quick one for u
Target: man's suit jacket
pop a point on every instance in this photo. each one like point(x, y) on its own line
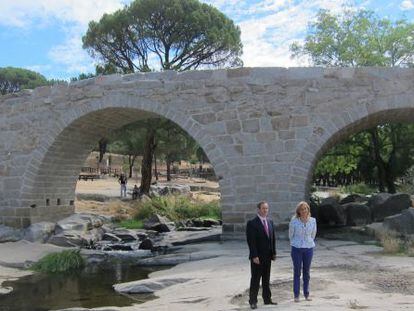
point(260, 245)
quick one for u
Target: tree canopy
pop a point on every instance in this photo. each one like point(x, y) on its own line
point(15, 79)
point(357, 38)
point(157, 34)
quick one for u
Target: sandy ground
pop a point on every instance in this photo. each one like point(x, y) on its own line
point(109, 186)
point(344, 276)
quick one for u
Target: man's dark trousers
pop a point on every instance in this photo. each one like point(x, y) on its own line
point(258, 272)
point(262, 246)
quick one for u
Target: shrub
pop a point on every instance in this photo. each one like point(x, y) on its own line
point(360, 188)
point(177, 208)
point(60, 262)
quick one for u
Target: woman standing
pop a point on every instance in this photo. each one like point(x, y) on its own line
point(302, 232)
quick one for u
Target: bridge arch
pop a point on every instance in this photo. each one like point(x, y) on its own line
point(329, 132)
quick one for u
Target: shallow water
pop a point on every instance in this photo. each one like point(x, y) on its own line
point(89, 288)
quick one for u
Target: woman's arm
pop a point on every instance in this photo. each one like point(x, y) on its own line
point(291, 230)
point(314, 229)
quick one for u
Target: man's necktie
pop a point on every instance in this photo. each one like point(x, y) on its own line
point(266, 227)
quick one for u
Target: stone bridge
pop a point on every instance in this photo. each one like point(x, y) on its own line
point(263, 130)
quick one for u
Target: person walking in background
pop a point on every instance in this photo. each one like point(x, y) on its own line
point(302, 233)
point(123, 182)
point(260, 236)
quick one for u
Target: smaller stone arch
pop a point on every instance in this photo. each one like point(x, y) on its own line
point(327, 134)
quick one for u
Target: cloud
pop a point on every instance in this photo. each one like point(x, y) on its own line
point(26, 13)
point(407, 5)
point(266, 39)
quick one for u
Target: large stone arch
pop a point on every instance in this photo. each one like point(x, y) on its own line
point(50, 194)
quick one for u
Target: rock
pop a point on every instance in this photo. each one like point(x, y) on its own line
point(198, 222)
point(118, 247)
point(173, 259)
point(66, 239)
point(164, 189)
point(75, 222)
point(111, 237)
point(125, 235)
point(147, 286)
point(8, 234)
point(158, 223)
point(39, 232)
point(146, 244)
point(314, 206)
point(357, 214)
point(353, 198)
point(331, 212)
point(192, 229)
point(402, 223)
point(384, 204)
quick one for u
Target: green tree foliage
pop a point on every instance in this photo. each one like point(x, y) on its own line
point(357, 38)
point(179, 34)
point(353, 39)
point(174, 144)
point(15, 79)
point(150, 35)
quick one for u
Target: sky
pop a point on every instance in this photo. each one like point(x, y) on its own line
point(46, 35)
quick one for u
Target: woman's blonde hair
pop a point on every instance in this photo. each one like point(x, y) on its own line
point(299, 206)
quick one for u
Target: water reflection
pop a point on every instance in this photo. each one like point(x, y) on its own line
point(89, 288)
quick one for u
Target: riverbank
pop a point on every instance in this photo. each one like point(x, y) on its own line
point(345, 275)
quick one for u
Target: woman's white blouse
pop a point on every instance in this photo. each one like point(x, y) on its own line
point(302, 235)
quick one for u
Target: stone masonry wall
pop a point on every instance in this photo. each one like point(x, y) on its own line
point(262, 128)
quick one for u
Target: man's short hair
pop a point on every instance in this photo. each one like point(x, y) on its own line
point(259, 205)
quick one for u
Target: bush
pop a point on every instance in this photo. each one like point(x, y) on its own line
point(359, 189)
point(60, 262)
point(177, 208)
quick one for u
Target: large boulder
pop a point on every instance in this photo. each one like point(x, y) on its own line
point(39, 232)
point(67, 239)
point(331, 212)
point(402, 223)
point(147, 286)
point(357, 214)
point(384, 204)
point(80, 222)
point(8, 234)
point(353, 198)
point(146, 244)
point(158, 223)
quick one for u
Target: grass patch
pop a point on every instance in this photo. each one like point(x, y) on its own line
point(131, 224)
point(60, 262)
point(177, 208)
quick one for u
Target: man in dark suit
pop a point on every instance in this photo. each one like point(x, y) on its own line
point(260, 236)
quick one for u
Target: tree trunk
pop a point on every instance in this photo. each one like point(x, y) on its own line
point(146, 169)
point(103, 142)
point(168, 167)
point(379, 163)
point(131, 161)
point(155, 166)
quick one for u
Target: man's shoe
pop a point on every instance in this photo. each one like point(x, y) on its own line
point(296, 299)
point(270, 303)
point(253, 306)
point(308, 298)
